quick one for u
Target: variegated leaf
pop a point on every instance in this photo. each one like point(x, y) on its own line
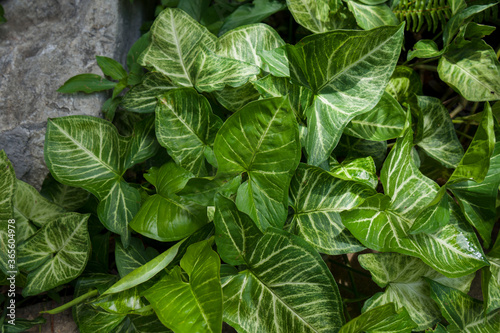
point(186, 126)
point(438, 139)
point(317, 199)
point(316, 15)
point(385, 121)
point(286, 285)
point(68, 197)
point(134, 256)
point(361, 170)
point(56, 254)
point(406, 286)
point(142, 144)
point(372, 16)
point(404, 83)
point(262, 140)
point(332, 65)
point(352, 148)
point(7, 191)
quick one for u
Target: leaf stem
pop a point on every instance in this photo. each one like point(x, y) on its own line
point(461, 105)
point(75, 301)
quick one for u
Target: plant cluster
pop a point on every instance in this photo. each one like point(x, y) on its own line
point(228, 164)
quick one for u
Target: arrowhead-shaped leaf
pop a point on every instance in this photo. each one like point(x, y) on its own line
point(262, 140)
point(56, 254)
point(317, 199)
point(286, 283)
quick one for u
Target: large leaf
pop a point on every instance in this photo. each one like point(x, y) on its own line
point(286, 284)
point(439, 139)
point(332, 65)
point(68, 197)
point(361, 170)
point(407, 287)
point(196, 305)
point(384, 318)
point(385, 121)
point(464, 313)
point(7, 190)
point(262, 140)
point(472, 69)
point(317, 199)
point(186, 126)
point(315, 15)
point(56, 254)
point(372, 16)
point(184, 50)
point(143, 97)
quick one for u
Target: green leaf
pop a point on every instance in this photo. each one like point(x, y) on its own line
point(261, 139)
point(424, 48)
point(472, 69)
point(168, 179)
point(142, 144)
point(145, 272)
point(135, 51)
point(404, 83)
point(141, 324)
point(184, 50)
point(203, 190)
point(196, 305)
point(474, 165)
point(434, 216)
point(478, 201)
point(87, 83)
point(195, 8)
point(286, 283)
point(186, 126)
point(133, 257)
point(405, 280)
point(68, 197)
point(126, 302)
point(315, 15)
point(275, 62)
point(331, 65)
point(385, 121)
point(8, 189)
point(459, 18)
point(353, 148)
point(361, 170)
point(143, 97)
point(99, 256)
point(234, 99)
point(111, 68)
point(317, 198)
point(22, 325)
point(383, 318)
point(464, 313)
point(56, 254)
point(245, 14)
point(438, 139)
point(372, 16)
point(473, 30)
point(490, 277)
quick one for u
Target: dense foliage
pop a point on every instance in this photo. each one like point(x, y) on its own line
point(232, 164)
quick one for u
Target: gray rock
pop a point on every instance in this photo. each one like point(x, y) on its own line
point(44, 43)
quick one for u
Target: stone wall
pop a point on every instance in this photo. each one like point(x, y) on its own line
point(44, 43)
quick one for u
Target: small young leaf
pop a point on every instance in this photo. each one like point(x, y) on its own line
point(111, 68)
point(87, 83)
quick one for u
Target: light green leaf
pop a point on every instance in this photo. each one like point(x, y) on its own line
point(317, 199)
point(68, 197)
point(143, 97)
point(404, 83)
point(133, 257)
point(407, 287)
point(275, 62)
point(478, 200)
point(453, 250)
point(184, 50)
point(145, 272)
point(434, 216)
point(87, 83)
point(111, 68)
point(196, 305)
point(286, 283)
point(361, 170)
point(459, 18)
point(385, 121)
point(256, 12)
point(439, 139)
point(474, 165)
point(56, 254)
point(490, 284)
point(383, 318)
point(186, 126)
point(425, 48)
point(372, 16)
point(168, 179)
point(472, 69)
point(464, 313)
point(298, 96)
point(7, 190)
point(126, 302)
point(331, 65)
point(262, 140)
point(315, 15)
point(234, 99)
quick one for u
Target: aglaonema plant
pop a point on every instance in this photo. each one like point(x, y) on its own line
point(236, 163)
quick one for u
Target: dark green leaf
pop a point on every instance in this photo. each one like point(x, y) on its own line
point(88, 83)
point(111, 68)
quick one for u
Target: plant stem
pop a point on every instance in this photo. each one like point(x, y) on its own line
point(75, 301)
point(461, 105)
point(465, 135)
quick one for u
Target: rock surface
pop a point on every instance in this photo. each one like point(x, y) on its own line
point(44, 43)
